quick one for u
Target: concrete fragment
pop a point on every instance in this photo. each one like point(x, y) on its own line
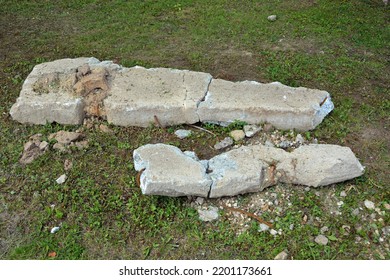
point(226, 142)
point(208, 215)
point(182, 133)
point(369, 204)
point(235, 172)
point(165, 170)
point(272, 17)
point(282, 255)
point(321, 239)
point(320, 165)
point(251, 129)
point(237, 135)
point(282, 106)
point(140, 95)
point(65, 137)
point(61, 179)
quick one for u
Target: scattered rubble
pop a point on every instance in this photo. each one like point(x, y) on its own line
point(34, 148)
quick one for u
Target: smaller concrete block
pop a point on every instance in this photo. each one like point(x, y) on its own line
point(168, 171)
point(235, 172)
point(320, 165)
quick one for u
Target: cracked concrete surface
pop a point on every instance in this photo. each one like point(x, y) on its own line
point(166, 170)
point(67, 90)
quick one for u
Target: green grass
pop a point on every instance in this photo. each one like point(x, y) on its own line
point(338, 46)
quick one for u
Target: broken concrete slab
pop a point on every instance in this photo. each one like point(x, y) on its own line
point(57, 92)
point(140, 95)
point(166, 170)
point(320, 165)
point(282, 106)
point(67, 90)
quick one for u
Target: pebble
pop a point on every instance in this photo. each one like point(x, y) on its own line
point(340, 203)
point(251, 129)
point(61, 179)
point(43, 146)
point(387, 206)
point(237, 135)
point(324, 229)
point(263, 227)
point(369, 204)
point(284, 144)
point(273, 232)
point(272, 17)
point(182, 133)
point(321, 239)
point(208, 215)
point(54, 229)
point(227, 142)
point(199, 200)
point(343, 194)
point(291, 227)
point(307, 189)
point(282, 255)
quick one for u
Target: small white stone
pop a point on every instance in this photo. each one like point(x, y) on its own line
point(263, 227)
point(355, 212)
point(273, 232)
point(61, 179)
point(291, 227)
point(340, 203)
point(54, 229)
point(369, 204)
point(272, 17)
point(182, 133)
point(343, 194)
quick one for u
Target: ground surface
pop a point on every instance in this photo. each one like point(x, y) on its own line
point(338, 46)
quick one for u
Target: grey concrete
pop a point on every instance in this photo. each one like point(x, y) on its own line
point(140, 95)
point(235, 172)
point(320, 165)
point(66, 91)
point(282, 106)
point(168, 171)
point(48, 95)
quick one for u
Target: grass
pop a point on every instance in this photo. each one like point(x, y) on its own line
point(338, 46)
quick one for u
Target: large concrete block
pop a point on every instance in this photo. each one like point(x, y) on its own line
point(320, 165)
point(140, 95)
point(170, 172)
point(282, 106)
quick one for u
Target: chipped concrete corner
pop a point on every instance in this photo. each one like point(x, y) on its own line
point(67, 90)
point(166, 170)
